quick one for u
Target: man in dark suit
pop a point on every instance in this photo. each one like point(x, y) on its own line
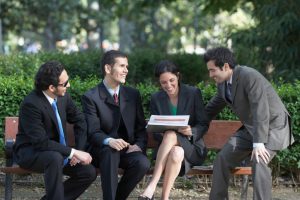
point(116, 128)
point(266, 122)
point(41, 143)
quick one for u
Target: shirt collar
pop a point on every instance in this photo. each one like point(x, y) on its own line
point(110, 90)
point(50, 99)
point(230, 80)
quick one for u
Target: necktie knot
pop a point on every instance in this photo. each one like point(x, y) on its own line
point(116, 98)
point(54, 106)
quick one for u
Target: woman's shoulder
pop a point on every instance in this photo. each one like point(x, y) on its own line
point(189, 88)
point(158, 94)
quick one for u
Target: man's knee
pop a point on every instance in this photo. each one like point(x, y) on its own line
point(143, 163)
point(54, 159)
point(90, 172)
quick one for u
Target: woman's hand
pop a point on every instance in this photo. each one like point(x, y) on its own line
point(187, 131)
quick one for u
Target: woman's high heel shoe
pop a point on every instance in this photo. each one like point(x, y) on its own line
point(145, 198)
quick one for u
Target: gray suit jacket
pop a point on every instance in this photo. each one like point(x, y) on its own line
point(258, 107)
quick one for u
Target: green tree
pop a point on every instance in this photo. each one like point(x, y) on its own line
point(273, 44)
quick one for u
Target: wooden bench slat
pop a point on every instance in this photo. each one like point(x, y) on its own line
point(208, 171)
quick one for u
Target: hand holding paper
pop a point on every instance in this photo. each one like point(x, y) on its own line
point(162, 123)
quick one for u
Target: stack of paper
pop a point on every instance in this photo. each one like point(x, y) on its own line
point(162, 123)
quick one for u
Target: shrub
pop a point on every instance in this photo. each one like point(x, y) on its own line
point(87, 64)
point(14, 88)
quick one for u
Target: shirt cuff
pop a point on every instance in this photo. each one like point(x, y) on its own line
point(105, 141)
point(258, 145)
point(71, 154)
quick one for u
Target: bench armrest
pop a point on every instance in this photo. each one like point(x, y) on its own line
point(9, 148)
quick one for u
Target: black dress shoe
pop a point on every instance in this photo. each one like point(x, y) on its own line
point(145, 198)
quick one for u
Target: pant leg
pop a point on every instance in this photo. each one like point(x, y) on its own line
point(80, 178)
point(51, 164)
point(135, 166)
point(262, 179)
point(234, 151)
point(108, 161)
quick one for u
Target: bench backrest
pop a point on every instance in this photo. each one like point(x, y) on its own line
point(217, 135)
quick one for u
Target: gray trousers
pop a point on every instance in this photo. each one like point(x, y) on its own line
point(237, 149)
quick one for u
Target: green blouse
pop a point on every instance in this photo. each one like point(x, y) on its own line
point(172, 108)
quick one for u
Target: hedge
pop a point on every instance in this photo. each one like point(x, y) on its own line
point(14, 88)
point(87, 64)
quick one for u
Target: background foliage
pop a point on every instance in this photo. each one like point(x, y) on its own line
point(87, 64)
point(263, 34)
point(14, 88)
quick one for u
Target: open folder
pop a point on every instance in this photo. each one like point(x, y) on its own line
point(162, 123)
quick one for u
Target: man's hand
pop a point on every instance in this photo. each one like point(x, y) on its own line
point(117, 144)
point(81, 156)
point(74, 161)
point(187, 131)
point(262, 152)
point(133, 148)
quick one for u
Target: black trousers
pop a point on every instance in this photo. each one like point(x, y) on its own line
point(135, 166)
point(51, 164)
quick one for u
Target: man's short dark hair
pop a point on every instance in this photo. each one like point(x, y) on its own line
point(109, 58)
point(220, 56)
point(48, 74)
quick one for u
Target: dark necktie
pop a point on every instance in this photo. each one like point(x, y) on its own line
point(228, 92)
point(61, 130)
point(116, 99)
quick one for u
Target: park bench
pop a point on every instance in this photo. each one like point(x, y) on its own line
point(217, 135)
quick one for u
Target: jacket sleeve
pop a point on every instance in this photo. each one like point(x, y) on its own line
point(215, 105)
point(31, 120)
point(259, 106)
point(141, 136)
point(95, 134)
point(201, 124)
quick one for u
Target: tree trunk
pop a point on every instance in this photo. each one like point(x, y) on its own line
point(1, 38)
point(126, 29)
point(49, 36)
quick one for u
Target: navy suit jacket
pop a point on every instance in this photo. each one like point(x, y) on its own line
point(103, 115)
point(38, 128)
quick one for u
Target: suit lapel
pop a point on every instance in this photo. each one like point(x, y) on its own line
point(182, 100)
point(124, 99)
point(105, 96)
point(48, 109)
point(164, 99)
point(235, 82)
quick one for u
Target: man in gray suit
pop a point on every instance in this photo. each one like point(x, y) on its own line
point(266, 122)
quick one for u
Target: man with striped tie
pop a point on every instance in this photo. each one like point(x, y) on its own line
point(41, 144)
point(116, 128)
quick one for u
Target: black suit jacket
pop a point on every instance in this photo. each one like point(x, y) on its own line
point(38, 128)
point(103, 115)
point(189, 103)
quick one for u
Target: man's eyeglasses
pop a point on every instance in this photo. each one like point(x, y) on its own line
point(64, 84)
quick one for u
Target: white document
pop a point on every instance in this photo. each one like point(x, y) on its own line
point(162, 123)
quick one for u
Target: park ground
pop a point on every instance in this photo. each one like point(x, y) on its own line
point(31, 188)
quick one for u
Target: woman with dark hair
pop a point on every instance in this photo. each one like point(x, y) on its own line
point(185, 144)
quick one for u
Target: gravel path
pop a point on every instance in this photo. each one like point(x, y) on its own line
point(31, 187)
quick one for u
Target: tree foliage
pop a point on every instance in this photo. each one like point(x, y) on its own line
point(273, 44)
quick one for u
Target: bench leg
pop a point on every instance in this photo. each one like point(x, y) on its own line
point(8, 186)
point(8, 180)
point(244, 188)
